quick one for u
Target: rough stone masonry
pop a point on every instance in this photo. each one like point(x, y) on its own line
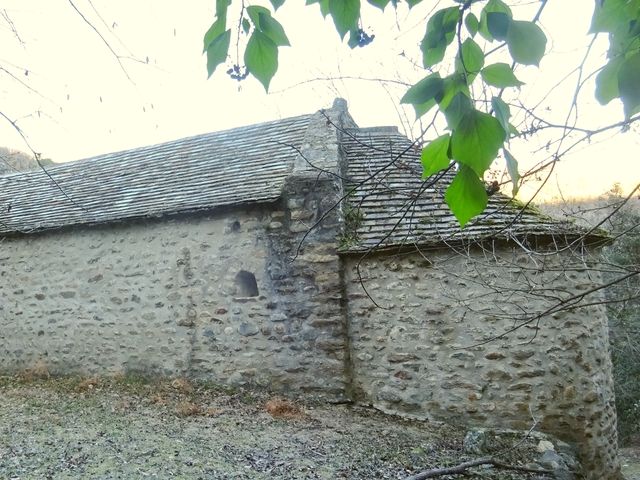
point(247, 257)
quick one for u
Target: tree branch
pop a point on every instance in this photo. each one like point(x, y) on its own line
point(464, 466)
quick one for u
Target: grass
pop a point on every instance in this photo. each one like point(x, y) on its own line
point(182, 396)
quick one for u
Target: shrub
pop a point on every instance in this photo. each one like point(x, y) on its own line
point(624, 322)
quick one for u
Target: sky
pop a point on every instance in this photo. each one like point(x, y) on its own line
point(74, 96)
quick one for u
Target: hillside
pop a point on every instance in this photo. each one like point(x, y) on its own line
point(12, 161)
point(593, 211)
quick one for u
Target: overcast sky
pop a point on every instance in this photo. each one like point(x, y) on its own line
point(73, 98)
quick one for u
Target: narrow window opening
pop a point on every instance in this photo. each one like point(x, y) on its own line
point(246, 284)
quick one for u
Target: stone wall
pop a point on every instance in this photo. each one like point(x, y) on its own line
point(427, 350)
point(177, 297)
point(164, 297)
point(215, 296)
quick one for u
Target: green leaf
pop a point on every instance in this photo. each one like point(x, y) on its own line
point(500, 75)
point(216, 29)
point(497, 6)
point(261, 58)
point(441, 30)
point(221, 8)
point(354, 39)
point(622, 45)
point(246, 26)
point(254, 12)
point(610, 15)
point(629, 84)
point(217, 51)
point(476, 140)
point(456, 109)
point(512, 168)
point(413, 3)
point(433, 56)
point(502, 112)
point(435, 156)
point(422, 108)
point(263, 21)
point(277, 4)
point(441, 27)
point(498, 24)
point(472, 23)
point(425, 90)
point(466, 196)
point(324, 6)
point(272, 29)
point(492, 6)
point(453, 84)
point(345, 15)
point(455, 100)
point(527, 42)
point(381, 4)
point(471, 59)
point(607, 81)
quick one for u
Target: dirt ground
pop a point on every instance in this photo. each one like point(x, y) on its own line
point(630, 460)
point(130, 429)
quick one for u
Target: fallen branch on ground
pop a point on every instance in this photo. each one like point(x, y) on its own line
point(463, 467)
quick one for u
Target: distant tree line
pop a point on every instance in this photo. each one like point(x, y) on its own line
point(12, 161)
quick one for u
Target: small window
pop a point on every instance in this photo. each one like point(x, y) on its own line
point(246, 284)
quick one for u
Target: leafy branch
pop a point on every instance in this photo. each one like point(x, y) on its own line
point(476, 29)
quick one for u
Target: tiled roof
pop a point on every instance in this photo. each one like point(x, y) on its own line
point(396, 208)
point(250, 165)
point(238, 166)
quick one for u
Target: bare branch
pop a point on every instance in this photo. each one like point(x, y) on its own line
point(107, 44)
point(14, 30)
point(464, 466)
point(36, 156)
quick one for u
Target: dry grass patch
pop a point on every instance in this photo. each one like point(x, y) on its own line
point(158, 399)
point(212, 412)
point(282, 408)
point(87, 384)
point(182, 385)
point(188, 409)
point(39, 371)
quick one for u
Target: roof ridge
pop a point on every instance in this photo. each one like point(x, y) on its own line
point(383, 129)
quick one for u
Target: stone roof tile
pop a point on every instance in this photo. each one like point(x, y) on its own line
point(392, 206)
point(233, 167)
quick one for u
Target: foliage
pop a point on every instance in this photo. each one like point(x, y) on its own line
point(624, 318)
point(479, 131)
point(352, 221)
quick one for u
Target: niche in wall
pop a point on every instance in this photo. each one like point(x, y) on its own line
point(246, 285)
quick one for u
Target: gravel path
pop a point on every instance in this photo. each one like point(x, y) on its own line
point(70, 429)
